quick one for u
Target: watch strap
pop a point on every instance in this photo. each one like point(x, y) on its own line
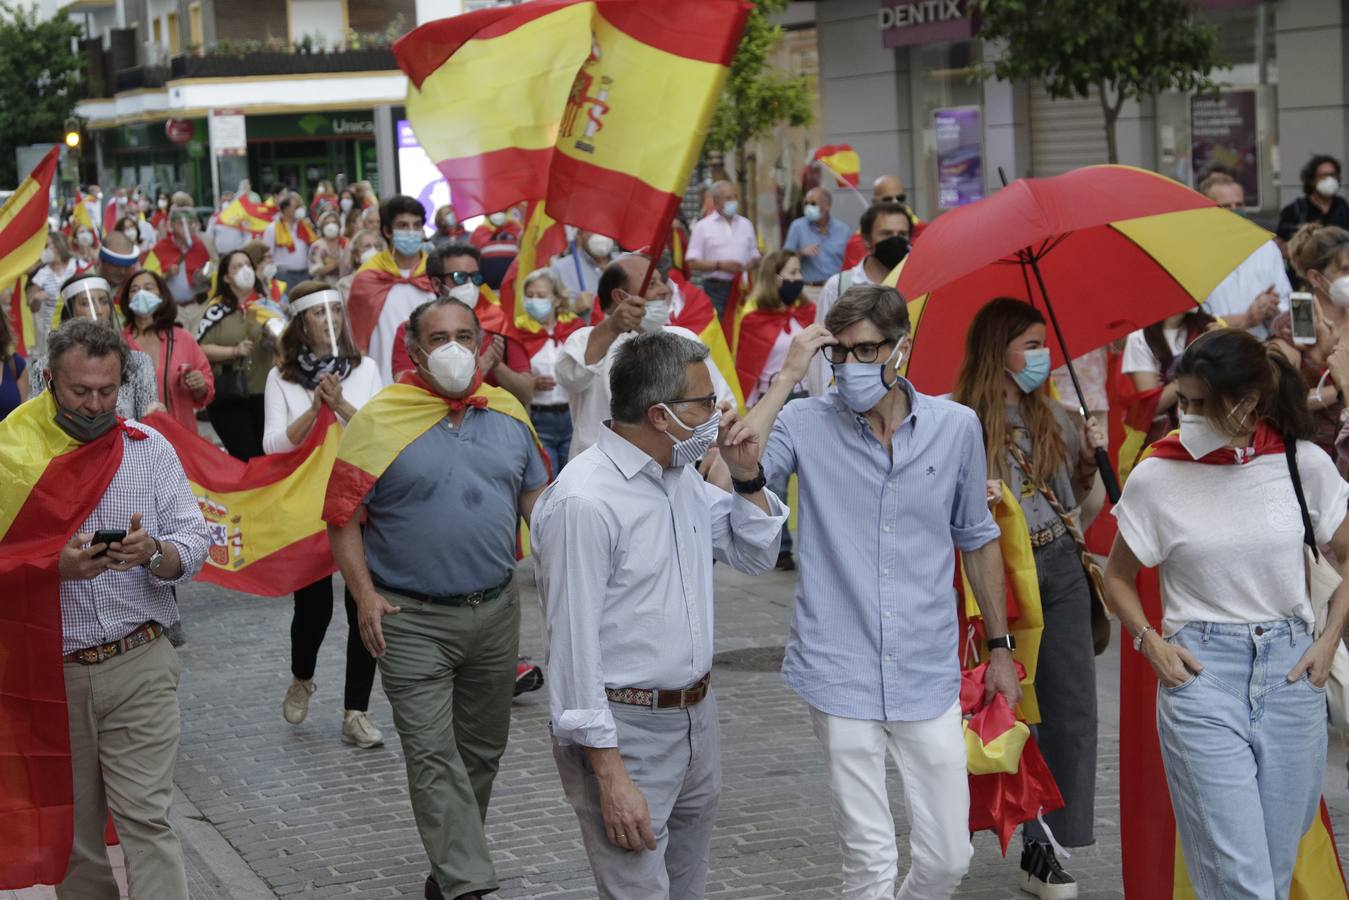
point(1006, 642)
point(753, 486)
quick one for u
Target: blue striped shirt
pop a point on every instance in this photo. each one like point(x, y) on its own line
point(874, 633)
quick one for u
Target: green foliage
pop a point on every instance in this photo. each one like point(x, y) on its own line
point(756, 98)
point(41, 78)
point(1125, 49)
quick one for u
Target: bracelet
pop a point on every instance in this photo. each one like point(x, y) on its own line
point(753, 486)
point(1138, 638)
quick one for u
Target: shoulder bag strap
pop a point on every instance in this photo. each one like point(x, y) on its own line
point(1308, 533)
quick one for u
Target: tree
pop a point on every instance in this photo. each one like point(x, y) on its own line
point(1125, 49)
point(41, 78)
point(756, 98)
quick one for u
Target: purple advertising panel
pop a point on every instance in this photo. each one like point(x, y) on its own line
point(960, 156)
point(1223, 132)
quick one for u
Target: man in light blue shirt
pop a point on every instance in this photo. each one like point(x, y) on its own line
point(819, 238)
point(892, 483)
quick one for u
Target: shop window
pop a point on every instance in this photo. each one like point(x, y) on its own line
point(940, 78)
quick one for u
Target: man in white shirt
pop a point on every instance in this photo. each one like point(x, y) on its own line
point(579, 270)
point(588, 354)
point(289, 237)
point(1256, 291)
point(722, 245)
point(623, 547)
point(885, 229)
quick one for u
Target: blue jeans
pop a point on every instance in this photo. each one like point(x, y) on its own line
point(1245, 756)
point(553, 427)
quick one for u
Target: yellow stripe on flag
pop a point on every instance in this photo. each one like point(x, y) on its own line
point(1169, 239)
point(29, 441)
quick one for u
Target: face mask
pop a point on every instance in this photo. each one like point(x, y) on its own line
point(891, 251)
point(730, 208)
point(466, 293)
point(48, 256)
point(131, 234)
point(345, 203)
point(1198, 436)
point(367, 254)
point(539, 308)
point(331, 230)
point(269, 271)
point(301, 214)
point(655, 316)
point(452, 365)
point(812, 212)
point(245, 278)
point(145, 303)
point(695, 446)
point(1339, 292)
point(163, 204)
point(1328, 186)
point(497, 219)
point(407, 241)
point(788, 291)
point(82, 426)
point(600, 246)
point(862, 385)
point(85, 239)
point(1036, 371)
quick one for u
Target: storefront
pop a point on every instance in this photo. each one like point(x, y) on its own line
point(301, 150)
point(159, 156)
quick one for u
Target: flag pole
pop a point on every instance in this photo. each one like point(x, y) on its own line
point(843, 181)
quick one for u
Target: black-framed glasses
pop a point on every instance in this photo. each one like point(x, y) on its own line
point(458, 278)
point(709, 402)
point(896, 198)
point(866, 352)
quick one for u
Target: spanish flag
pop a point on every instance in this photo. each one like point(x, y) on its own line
point(700, 316)
point(23, 221)
point(599, 106)
point(370, 288)
point(755, 333)
point(267, 535)
point(49, 485)
point(284, 237)
point(79, 216)
point(394, 418)
point(542, 238)
point(842, 161)
point(247, 216)
point(167, 254)
point(21, 317)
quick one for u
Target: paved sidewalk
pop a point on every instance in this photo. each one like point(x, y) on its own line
point(273, 810)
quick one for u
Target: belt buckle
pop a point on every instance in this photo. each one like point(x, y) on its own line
point(684, 698)
point(473, 599)
point(655, 699)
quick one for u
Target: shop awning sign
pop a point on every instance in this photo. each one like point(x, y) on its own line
point(229, 136)
point(906, 22)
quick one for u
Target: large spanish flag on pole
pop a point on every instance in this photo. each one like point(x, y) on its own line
point(49, 484)
point(264, 515)
point(599, 106)
point(23, 221)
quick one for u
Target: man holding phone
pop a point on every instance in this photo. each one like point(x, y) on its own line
point(144, 536)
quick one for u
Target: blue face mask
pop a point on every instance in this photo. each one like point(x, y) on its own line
point(145, 303)
point(539, 308)
point(862, 385)
point(730, 208)
point(1036, 371)
point(407, 241)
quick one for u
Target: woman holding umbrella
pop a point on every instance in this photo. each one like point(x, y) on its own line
point(1046, 457)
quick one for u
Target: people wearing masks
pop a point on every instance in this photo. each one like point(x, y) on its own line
point(181, 256)
point(540, 329)
point(449, 230)
point(820, 240)
point(183, 379)
point(1257, 290)
point(57, 265)
point(722, 245)
point(885, 189)
point(578, 270)
point(361, 248)
point(288, 239)
point(328, 257)
point(1150, 357)
point(1320, 202)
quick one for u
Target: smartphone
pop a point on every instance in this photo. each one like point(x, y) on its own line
point(1302, 308)
point(107, 538)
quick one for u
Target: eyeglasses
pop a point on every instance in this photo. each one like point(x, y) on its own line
point(867, 352)
point(459, 278)
point(708, 403)
point(897, 198)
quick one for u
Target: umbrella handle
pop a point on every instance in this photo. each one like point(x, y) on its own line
point(1108, 477)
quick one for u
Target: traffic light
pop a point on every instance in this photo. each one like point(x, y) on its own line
point(72, 134)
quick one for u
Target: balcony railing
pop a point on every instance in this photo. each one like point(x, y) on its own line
point(244, 62)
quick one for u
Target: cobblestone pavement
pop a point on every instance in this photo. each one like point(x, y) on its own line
point(315, 818)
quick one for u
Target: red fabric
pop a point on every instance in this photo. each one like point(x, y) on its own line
point(170, 254)
point(36, 795)
point(369, 290)
point(16, 305)
point(1266, 441)
point(487, 234)
point(110, 216)
point(697, 312)
point(455, 404)
point(969, 255)
point(516, 359)
point(854, 252)
point(759, 330)
point(169, 371)
point(531, 342)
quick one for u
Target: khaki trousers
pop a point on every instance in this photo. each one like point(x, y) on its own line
point(124, 731)
point(449, 674)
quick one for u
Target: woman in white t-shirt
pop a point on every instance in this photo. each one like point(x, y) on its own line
point(1149, 358)
point(1241, 707)
point(318, 366)
point(541, 328)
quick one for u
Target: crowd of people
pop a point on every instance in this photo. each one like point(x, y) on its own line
point(590, 413)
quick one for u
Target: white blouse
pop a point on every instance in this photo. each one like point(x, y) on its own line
point(285, 401)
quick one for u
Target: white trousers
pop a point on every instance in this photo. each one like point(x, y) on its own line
point(930, 756)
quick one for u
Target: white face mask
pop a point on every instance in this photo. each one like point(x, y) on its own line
point(244, 279)
point(131, 234)
point(85, 239)
point(497, 219)
point(1339, 292)
point(695, 446)
point(1200, 438)
point(345, 203)
point(48, 256)
point(368, 254)
point(600, 246)
point(452, 365)
point(1328, 186)
point(331, 230)
point(466, 293)
point(269, 271)
point(654, 317)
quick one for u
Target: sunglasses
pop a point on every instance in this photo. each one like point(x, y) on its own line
point(897, 198)
point(458, 278)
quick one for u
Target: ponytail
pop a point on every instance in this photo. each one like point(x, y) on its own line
point(1285, 407)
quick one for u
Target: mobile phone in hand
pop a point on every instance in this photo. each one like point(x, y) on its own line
point(1302, 309)
point(107, 538)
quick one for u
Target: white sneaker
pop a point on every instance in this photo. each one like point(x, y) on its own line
point(359, 730)
point(296, 705)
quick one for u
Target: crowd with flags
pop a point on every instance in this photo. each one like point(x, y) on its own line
point(928, 420)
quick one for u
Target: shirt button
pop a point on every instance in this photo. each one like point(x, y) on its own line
point(889, 658)
point(889, 615)
point(885, 572)
point(889, 528)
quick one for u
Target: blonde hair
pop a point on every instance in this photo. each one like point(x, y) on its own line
point(765, 293)
point(560, 292)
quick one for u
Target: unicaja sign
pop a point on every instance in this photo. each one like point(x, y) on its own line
point(923, 21)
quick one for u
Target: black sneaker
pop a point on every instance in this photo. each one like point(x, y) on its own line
point(432, 891)
point(1043, 875)
point(785, 562)
point(528, 677)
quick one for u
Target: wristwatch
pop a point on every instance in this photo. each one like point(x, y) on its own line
point(1006, 642)
point(753, 486)
point(1138, 638)
point(157, 558)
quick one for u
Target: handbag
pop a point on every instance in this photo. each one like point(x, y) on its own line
point(231, 383)
point(1100, 615)
point(1322, 580)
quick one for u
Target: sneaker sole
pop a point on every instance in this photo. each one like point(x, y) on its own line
point(364, 745)
point(286, 715)
point(1037, 888)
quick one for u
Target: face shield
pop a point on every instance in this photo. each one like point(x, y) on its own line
point(88, 298)
point(325, 306)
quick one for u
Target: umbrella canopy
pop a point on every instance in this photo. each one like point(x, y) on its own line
point(1118, 249)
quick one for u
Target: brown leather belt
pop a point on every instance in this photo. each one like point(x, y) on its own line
point(1047, 536)
point(92, 656)
point(662, 699)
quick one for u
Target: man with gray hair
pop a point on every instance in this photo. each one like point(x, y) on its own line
point(141, 536)
point(722, 245)
point(872, 647)
point(623, 546)
point(443, 467)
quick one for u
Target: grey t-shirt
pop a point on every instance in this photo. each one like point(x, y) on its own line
point(1039, 514)
point(443, 518)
